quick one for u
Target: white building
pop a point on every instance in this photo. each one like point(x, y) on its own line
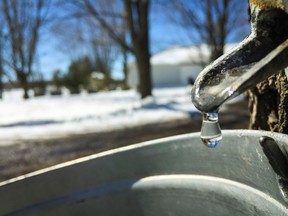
point(175, 66)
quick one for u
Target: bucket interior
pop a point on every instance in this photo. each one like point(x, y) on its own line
point(170, 176)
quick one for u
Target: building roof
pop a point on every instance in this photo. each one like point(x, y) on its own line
point(179, 55)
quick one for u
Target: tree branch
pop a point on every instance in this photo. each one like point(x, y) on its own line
point(111, 31)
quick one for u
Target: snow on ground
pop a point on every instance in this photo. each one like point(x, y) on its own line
point(53, 116)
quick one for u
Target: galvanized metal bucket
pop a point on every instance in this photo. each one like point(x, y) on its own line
point(171, 176)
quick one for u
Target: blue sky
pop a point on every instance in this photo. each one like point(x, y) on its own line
point(52, 57)
point(163, 34)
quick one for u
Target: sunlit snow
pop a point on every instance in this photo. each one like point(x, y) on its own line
point(52, 116)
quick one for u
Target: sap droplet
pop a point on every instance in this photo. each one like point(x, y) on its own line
point(211, 134)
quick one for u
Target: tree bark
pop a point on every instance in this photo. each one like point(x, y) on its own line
point(144, 72)
point(1, 72)
point(25, 89)
point(23, 81)
point(139, 31)
point(268, 104)
point(125, 68)
point(1, 85)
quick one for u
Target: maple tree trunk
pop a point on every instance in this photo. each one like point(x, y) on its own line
point(144, 71)
point(268, 104)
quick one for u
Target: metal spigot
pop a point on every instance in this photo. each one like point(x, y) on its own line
point(256, 58)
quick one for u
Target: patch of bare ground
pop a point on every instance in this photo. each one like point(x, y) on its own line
point(29, 155)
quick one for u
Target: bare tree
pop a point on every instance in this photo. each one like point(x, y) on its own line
point(211, 22)
point(103, 50)
point(125, 66)
point(2, 43)
point(104, 55)
point(86, 39)
point(136, 17)
point(24, 20)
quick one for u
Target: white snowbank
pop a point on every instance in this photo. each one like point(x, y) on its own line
point(54, 116)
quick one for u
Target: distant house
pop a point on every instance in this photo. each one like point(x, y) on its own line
point(175, 66)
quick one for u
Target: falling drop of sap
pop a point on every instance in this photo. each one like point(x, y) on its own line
point(210, 132)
